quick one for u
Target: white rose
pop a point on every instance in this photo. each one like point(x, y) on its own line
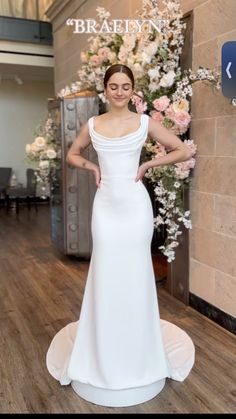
point(129, 41)
point(44, 164)
point(40, 142)
point(153, 87)
point(28, 148)
point(146, 57)
point(137, 69)
point(168, 79)
point(34, 148)
point(154, 73)
point(51, 154)
point(152, 48)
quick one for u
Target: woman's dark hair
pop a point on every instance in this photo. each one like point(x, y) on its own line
point(118, 68)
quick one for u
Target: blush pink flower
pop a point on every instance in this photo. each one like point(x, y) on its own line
point(136, 100)
point(157, 116)
point(182, 169)
point(103, 53)
point(162, 103)
point(95, 60)
point(190, 144)
point(141, 107)
point(182, 118)
point(178, 130)
point(169, 113)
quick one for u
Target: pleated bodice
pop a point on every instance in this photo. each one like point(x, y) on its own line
point(119, 156)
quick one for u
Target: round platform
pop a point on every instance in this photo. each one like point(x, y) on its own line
point(118, 398)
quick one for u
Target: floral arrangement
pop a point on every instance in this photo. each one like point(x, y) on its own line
point(162, 90)
point(44, 153)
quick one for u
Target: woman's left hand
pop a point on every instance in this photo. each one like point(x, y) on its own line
point(141, 171)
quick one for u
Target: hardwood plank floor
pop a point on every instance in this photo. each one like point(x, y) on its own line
point(41, 291)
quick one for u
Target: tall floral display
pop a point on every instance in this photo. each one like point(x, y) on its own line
point(162, 90)
point(44, 153)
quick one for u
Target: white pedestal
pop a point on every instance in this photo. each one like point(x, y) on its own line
point(118, 398)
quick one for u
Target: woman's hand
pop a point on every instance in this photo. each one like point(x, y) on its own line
point(141, 171)
point(97, 175)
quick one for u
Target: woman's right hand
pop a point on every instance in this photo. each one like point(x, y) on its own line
point(97, 175)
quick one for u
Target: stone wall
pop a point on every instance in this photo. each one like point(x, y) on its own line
point(213, 128)
point(213, 194)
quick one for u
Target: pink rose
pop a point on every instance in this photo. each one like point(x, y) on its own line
point(182, 169)
point(161, 104)
point(95, 60)
point(182, 118)
point(169, 112)
point(141, 107)
point(136, 100)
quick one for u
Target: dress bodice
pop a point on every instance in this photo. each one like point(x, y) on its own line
point(119, 156)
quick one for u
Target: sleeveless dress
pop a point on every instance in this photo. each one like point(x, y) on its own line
point(120, 353)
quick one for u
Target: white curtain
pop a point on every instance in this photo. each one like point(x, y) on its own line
point(27, 9)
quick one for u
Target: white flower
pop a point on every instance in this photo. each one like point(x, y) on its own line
point(158, 220)
point(34, 148)
point(40, 142)
point(51, 154)
point(137, 69)
point(154, 73)
point(172, 195)
point(153, 87)
point(44, 164)
point(111, 56)
point(187, 223)
point(123, 54)
point(102, 13)
point(129, 41)
point(177, 184)
point(28, 148)
point(168, 79)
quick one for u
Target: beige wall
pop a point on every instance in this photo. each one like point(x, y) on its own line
point(213, 196)
point(21, 109)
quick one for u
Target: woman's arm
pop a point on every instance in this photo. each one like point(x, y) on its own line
point(74, 157)
point(178, 150)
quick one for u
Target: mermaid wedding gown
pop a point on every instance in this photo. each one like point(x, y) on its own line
point(120, 353)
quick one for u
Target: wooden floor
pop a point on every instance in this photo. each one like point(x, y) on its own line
point(41, 291)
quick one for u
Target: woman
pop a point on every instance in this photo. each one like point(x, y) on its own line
point(119, 121)
point(120, 352)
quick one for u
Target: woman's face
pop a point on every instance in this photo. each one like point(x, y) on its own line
point(119, 89)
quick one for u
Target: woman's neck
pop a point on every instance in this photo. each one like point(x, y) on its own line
point(119, 113)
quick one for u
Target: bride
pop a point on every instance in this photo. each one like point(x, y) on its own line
point(120, 352)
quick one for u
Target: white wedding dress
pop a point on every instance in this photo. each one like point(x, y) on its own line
point(120, 353)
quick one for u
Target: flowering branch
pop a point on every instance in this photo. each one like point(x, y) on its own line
point(162, 90)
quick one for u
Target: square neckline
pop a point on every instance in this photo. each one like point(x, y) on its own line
point(122, 136)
